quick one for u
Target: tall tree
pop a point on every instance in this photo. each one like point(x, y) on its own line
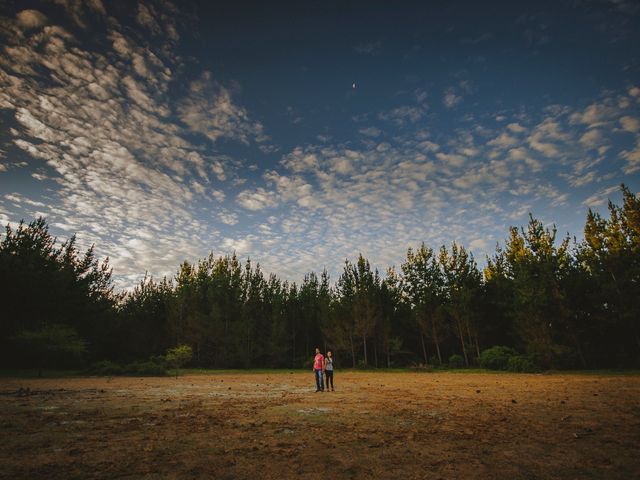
point(463, 283)
point(422, 284)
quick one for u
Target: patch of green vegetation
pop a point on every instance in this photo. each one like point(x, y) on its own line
point(36, 373)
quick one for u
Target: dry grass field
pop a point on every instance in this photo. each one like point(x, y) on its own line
point(273, 425)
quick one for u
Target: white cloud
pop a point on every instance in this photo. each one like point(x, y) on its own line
point(600, 197)
point(239, 245)
point(591, 138)
point(402, 116)
point(29, 19)
point(633, 159)
point(450, 99)
point(503, 140)
point(300, 160)
point(630, 124)
point(516, 127)
point(129, 185)
point(372, 132)
point(210, 110)
point(228, 218)
point(256, 200)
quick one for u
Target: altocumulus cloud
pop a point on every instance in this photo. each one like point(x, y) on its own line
point(99, 124)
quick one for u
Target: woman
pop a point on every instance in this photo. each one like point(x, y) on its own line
point(318, 368)
point(328, 370)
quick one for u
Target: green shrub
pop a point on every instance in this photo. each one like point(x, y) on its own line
point(179, 356)
point(456, 361)
point(104, 367)
point(496, 358)
point(521, 363)
point(146, 368)
point(433, 360)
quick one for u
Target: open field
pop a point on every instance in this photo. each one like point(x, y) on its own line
point(273, 425)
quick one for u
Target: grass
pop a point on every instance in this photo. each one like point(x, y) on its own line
point(35, 373)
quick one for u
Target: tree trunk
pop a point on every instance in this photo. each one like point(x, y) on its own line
point(364, 343)
point(306, 342)
point(424, 349)
point(353, 351)
point(464, 348)
point(388, 356)
point(436, 341)
point(248, 359)
point(225, 352)
point(574, 337)
point(293, 360)
point(470, 336)
point(375, 353)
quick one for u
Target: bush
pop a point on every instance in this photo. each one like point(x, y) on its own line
point(496, 358)
point(179, 356)
point(456, 361)
point(105, 367)
point(146, 368)
point(152, 367)
point(521, 363)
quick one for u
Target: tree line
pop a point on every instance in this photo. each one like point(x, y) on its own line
point(559, 302)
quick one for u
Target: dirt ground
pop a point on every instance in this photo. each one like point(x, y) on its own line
point(273, 425)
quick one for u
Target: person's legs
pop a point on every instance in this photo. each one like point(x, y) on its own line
point(327, 373)
point(330, 377)
point(319, 383)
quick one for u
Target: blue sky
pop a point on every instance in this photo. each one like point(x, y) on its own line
point(162, 132)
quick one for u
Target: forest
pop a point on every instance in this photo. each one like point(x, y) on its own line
point(549, 302)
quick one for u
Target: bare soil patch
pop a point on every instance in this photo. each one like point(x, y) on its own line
point(274, 425)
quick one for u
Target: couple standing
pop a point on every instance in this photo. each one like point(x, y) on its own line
point(322, 364)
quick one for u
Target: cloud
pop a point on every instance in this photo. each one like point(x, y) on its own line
point(256, 200)
point(153, 178)
point(29, 19)
point(159, 21)
point(403, 115)
point(596, 114)
point(450, 98)
point(76, 10)
point(516, 127)
point(237, 245)
point(600, 197)
point(591, 138)
point(372, 132)
point(630, 124)
point(504, 140)
point(210, 110)
point(127, 176)
point(632, 158)
point(228, 218)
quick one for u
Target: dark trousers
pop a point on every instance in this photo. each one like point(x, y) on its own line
point(318, 374)
point(328, 376)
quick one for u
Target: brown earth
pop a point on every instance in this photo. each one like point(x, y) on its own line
point(273, 425)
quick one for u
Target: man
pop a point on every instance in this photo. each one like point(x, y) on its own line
point(318, 370)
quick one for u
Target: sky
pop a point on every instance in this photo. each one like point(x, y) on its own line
point(299, 134)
